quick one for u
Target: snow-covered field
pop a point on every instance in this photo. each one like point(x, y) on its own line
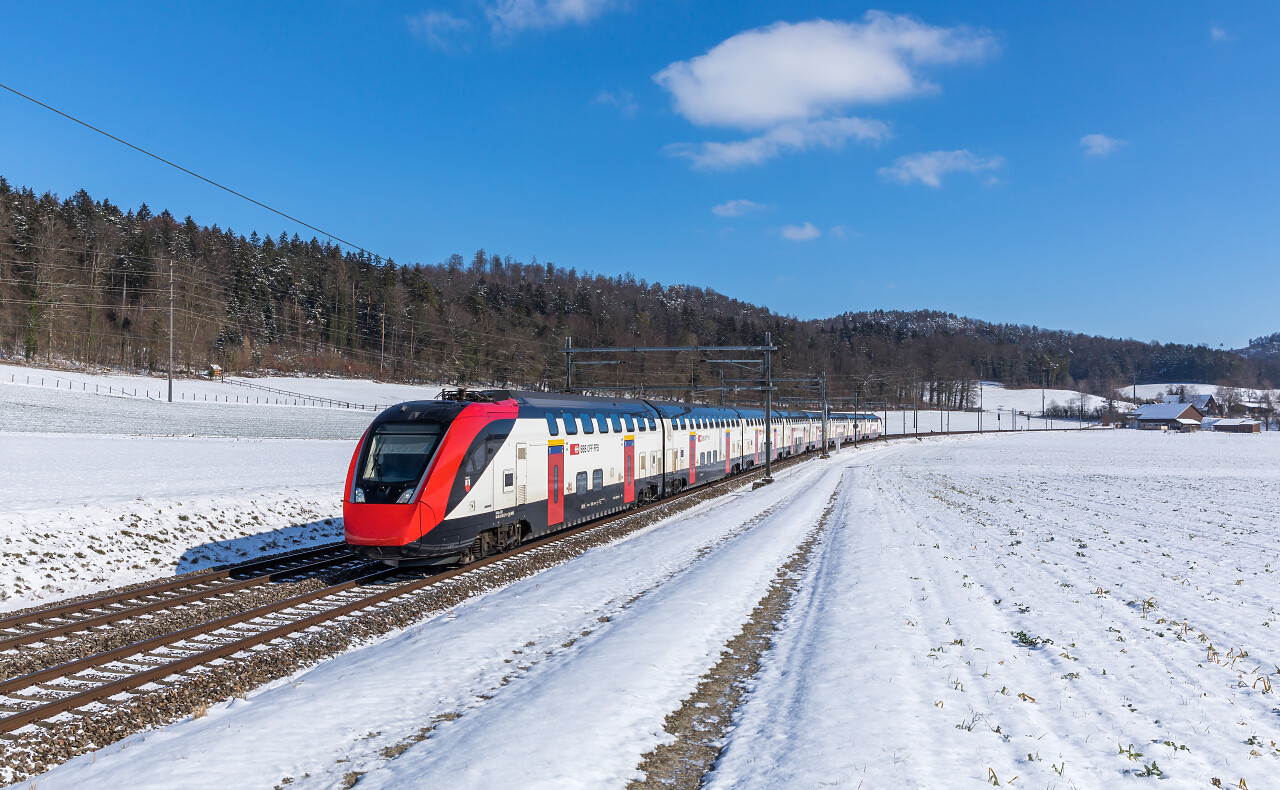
point(1154, 391)
point(201, 390)
point(85, 512)
point(104, 490)
point(1038, 610)
point(1003, 410)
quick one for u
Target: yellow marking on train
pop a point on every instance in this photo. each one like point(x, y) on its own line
point(555, 443)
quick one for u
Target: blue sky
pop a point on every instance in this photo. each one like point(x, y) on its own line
point(1108, 168)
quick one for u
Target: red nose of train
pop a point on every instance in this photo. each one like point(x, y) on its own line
point(386, 525)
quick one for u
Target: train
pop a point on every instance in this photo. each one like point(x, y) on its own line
point(478, 472)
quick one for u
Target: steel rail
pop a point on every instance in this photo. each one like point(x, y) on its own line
point(90, 623)
point(165, 586)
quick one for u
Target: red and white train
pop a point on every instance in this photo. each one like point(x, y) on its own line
point(457, 479)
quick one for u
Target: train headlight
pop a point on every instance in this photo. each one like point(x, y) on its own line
point(405, 497)
point(358, 496)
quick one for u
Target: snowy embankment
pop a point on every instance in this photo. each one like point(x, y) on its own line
point(83, 513)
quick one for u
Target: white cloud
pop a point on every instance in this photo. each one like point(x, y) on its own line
point(623, 101)
point(509, 16)
point(843, 232)
point(929, 168)
point(795, 72)
point(805, 232)
point(736, 208)
point(437, 28)
point(831, 133)
point(1100, 144)
point(1218, 35)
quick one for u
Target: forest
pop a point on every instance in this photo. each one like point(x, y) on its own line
point(84, 282)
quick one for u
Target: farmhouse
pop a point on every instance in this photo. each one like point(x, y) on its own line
point(1207, 404)
point(1232, 425)
point(1183, 417)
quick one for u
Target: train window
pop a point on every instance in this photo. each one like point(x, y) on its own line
point(629, 423)
point(597, 478)
point(640, 423)
point(617, 423)
point(602, 423)
point(581, 481)
point(641, 462)
point(555, 484)
point(508, 480)
point(552, 428)
point(570, 424)
point(586, 424)
point(481, 456)
point(653, 426)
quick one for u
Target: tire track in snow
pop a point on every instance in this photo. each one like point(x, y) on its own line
point(610, 693)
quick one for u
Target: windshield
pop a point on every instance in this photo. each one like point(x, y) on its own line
point(395, 459)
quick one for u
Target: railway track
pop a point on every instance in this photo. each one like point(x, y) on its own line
point(90, 684)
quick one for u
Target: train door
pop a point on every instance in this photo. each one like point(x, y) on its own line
point(629, 469)
point(555, 482)
point(757, 446)
point(693, 458)
point(728, 456)
point(522, 474)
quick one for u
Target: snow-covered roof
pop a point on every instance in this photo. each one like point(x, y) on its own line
point(1199, 401)
point(1185, 421)
point(1232, 421)
point(1162, 411)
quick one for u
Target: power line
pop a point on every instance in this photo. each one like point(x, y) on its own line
point(185, 170)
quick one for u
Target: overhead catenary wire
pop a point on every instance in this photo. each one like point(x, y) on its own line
point(192, 173)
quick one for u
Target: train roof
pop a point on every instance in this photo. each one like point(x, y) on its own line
point(553, 401)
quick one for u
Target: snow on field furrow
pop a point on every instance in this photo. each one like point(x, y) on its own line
point(986, 603)
point(1116, 708)
point(589, 654)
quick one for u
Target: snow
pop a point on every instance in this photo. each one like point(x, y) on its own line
point(1155, 391)
point(901, 666)
point(37, 409)
point(84, 512)
point(355, 391)
point(1003, 410)
point(585, 693)
point(104, 490)
point(1070, 609)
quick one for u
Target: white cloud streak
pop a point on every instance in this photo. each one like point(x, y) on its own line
point(1218, 35)
point(512, 16)
point(1100, 144)
point(795, 72)
point(831, 133)
point(929, 168)
point(736, 208)
point(805, 232)
point(622, 101)
point(438, 28)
